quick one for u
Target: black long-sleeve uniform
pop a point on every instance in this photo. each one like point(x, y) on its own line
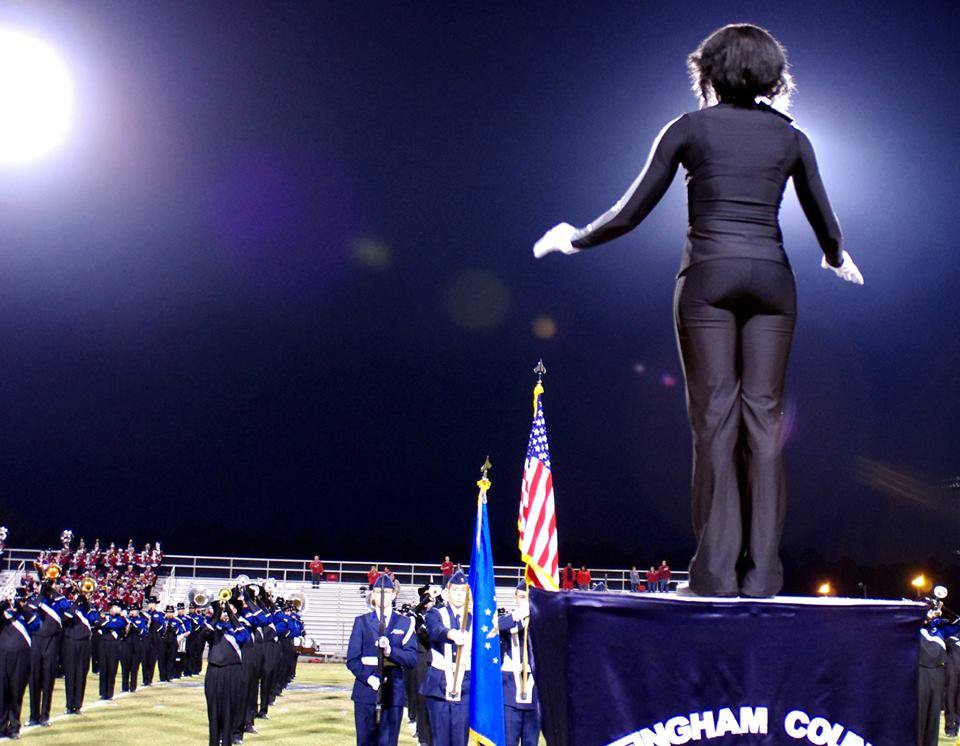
point(76, 651)
point(735, 310)
point(18, 623)
point(223, 683)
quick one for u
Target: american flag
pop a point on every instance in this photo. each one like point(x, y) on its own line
point(538, 520)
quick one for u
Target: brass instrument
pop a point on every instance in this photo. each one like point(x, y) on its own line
point(224, 595)
point(270, 587)
point(242, 580)
point(299, 601)
point(50, 571)
point(200, 597)
point(88, 585)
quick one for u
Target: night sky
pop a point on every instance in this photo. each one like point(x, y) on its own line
point(275, 294)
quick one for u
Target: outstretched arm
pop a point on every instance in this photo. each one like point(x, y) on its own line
point(627, 212)
point(813, 199)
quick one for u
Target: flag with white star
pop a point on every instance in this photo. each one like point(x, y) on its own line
point(486, 685)
point(538, 520)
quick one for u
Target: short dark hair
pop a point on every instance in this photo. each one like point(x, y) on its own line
point(739, 62)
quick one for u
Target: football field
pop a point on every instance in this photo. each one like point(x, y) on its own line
point(315, 709)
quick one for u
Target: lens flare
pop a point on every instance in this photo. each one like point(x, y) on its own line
point(544, 327)
point(36, 97)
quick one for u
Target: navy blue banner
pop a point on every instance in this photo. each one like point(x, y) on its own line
point(659, 670)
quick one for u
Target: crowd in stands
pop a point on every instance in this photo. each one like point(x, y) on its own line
point(122, 576)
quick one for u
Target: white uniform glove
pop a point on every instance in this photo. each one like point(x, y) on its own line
point(556, 239)
point(458, 637)
point(384, 643)
point(374, 682)
point(847, 271)
point(521, 612)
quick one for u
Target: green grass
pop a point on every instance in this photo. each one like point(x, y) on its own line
point(316, 709)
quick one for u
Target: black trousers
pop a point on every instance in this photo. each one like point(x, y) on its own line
point(151, 649)
point(951, 703)
point(167, 658)
point(76, 665)
point(734, 322)
point(930, 701)
point(252, 673)
point(44, 659)
point(109, 660)
point(14, 673)
point(223, 687)
point(271, 664)
point(131, 654)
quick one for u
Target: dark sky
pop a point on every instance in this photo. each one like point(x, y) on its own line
point(275, 293)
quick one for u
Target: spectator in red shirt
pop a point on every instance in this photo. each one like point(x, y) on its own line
point(583, 579)
point(372, 575)
point(316, 571)
point(446, 570)
point(663, 576)
point(653, 578)
point(568, 578)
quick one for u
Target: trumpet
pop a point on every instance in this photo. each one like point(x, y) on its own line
point(87, 586)
point(224, 595)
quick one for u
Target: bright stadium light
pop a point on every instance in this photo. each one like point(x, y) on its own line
point(36, 97)
point(825, 589)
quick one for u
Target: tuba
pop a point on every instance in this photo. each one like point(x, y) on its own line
point(299, 601)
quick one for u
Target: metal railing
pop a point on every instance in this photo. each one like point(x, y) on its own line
point(297, 570)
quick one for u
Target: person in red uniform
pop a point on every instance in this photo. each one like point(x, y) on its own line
point(569, 578)
point(446, 570)
point(372, 575)
point(583, 579)
point(316, 571)
point(663, 576)
point(653, 578)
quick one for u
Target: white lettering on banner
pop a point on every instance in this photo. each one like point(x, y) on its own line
point(698, 726)
point(820, 731)
point(703, 726)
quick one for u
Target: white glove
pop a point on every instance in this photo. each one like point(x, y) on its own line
point(521, 612)
point(458, 637)
point(384, 643)
point(556, 239)
point(847, 271)
point(374, 682)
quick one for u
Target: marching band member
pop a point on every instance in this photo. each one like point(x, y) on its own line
point(79, 620)
point(447, 684)
point(223, 685)
point(151, 643)
point(169, 632)
point(254, 620)
point(397, 644)
point(131, 648)
point(19, 621)
point(520, 715)
point(194, 653)
point(45, 650)
point(271, 657)
point(110, 628)
point(184, 629)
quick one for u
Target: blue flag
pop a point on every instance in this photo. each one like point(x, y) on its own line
point(486, 686)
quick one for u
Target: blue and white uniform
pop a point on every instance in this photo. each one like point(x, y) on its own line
point(446, 685)
point(520, 714)
point(363, 661)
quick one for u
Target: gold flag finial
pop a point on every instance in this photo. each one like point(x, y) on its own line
point(484, 482)
point(540, 370)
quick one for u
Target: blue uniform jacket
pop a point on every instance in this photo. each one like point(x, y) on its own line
point(443, 654)
point(511, 654)
point(362, 657)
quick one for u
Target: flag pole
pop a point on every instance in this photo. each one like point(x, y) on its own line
point(540, 370)
point(484, 484)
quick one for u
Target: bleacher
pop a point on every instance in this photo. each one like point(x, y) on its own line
point(331, 608)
